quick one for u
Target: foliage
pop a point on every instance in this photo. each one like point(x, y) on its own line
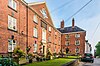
point(7, 62)
point(0, 56)
point(30, 56)
point(28, 48)
point(18, 52)
point(98, 49)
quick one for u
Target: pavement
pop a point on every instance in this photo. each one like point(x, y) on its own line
point(96, 63)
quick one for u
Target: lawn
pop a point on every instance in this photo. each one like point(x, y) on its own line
point(55, 62)
point(73, 57)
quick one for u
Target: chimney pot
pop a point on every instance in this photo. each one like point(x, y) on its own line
point(73, 23)
point(62, 24)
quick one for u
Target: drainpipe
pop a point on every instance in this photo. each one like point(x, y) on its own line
point(26, 28)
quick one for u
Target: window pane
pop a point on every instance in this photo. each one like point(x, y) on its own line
point(10, 3)
point(10, 22)
point(77, 42)
point(14, 24)
point(14, 5)
point(49, 28)
point(35, 32)
point(43, 35)
point(35, 18)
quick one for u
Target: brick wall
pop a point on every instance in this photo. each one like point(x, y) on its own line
point(20, 36)
point(72, 40)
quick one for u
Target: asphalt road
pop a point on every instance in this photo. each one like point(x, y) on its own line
point(96, 63)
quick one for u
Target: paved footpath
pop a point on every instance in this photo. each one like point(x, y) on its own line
point(96, 63)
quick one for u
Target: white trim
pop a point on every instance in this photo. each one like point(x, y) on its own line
point(35, 3)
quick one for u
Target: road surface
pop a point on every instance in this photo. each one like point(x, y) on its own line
point(96, 63)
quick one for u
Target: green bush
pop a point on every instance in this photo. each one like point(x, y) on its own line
point(18, 52)
point(7, 62)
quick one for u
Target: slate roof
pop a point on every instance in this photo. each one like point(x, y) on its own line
point(70, 29)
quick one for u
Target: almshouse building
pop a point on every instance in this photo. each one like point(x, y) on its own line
point(27, 25)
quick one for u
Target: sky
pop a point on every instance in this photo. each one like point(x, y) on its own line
point(88, 18)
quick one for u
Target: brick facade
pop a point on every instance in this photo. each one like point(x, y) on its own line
point(25, 27)
point(68, 39)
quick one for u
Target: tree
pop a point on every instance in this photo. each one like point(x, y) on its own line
point(98, 49)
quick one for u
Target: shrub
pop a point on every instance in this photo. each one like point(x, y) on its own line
point(19, 53)
point(7, 62)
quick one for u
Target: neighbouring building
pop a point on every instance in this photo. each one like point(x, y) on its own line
point(88, 47)
point(27, 25)
point(72, 38)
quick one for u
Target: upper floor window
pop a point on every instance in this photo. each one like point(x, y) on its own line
point(77, 42)
point(12, 4)
point(67, 36)
point(50, 29)
point(35, 32)
point(35, 18)
point(67, 43)
point(12, 23)
point(43, 35)
point(77, 35)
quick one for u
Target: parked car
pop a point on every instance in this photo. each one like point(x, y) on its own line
point(87, 57)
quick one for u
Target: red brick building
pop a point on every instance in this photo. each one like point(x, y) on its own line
point(72, 38)
point(27, 25)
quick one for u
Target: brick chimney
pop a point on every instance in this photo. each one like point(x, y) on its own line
point(73, 24)
point(62, 24)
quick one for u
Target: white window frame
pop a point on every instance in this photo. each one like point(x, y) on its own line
point(12, 23)
point(76, 42)
point(35, 32)
point(50, 29)
point(67, 43)
point(12, 4)
point(11, 45)
point(78, 50)
point(35, 18)
point(35, 48)
point(44, 35)
point(77, 35)
point(67, 36)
